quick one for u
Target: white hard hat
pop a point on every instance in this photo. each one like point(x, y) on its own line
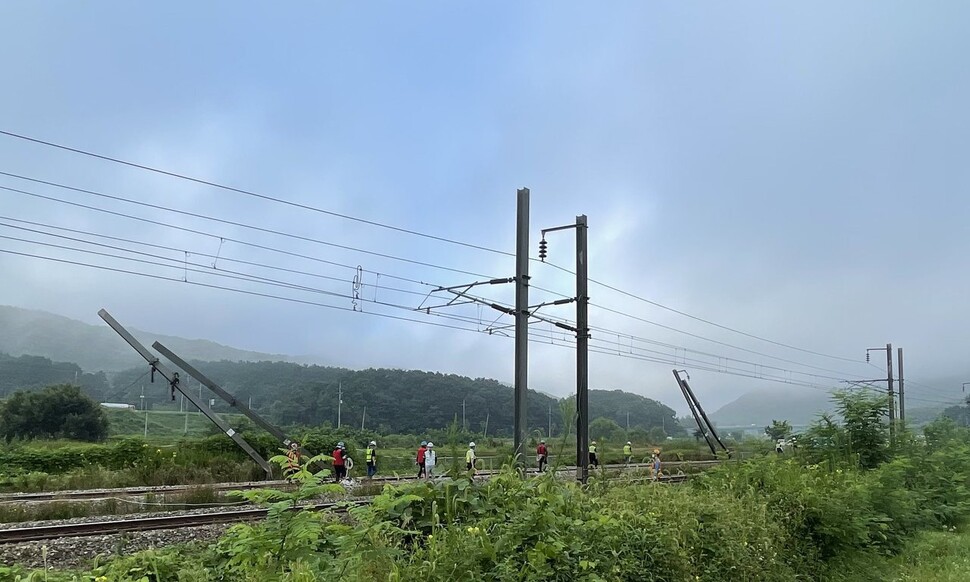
point(472, 444)
point(430, 445)
point(373, 443)
point(629, 443)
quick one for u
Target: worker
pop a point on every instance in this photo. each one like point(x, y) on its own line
point(430, 460)
point(542, 455)
point(420, 460)
point(655, 464)
point(371, 457)
point(628, 452)
point(339, 462)
point(470, 457)
point(592, 455)
point(292, 461)
point(780, 446)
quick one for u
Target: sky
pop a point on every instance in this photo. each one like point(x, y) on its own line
point(793, 172)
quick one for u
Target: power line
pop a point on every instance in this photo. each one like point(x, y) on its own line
point(228, 222)
point(567, 343)
point(299, 237)
point(255, 194)
point(223, 288)
point(183, 264)
point(186, 252)
point(701, 319)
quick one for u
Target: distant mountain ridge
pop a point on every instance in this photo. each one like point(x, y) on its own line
point(94, 348)
point(760, 407)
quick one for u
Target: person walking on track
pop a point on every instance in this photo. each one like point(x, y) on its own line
point(370, 456)
point(470, 457)
point(419, 461)
point(430, 460)
point(542, 455)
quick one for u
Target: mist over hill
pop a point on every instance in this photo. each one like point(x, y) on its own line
point(93, 347)
point(760, 407)
point(39, 348)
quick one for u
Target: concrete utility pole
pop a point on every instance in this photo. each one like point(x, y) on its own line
point(463, 427)
point(582, 349)
point(890, 392)
point(340, 400)
point(362, 417)
point(582, 340)
point(521, 322)
point(902, 399)
point(892, 395)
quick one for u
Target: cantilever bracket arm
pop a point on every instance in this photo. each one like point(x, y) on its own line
point(465, 287)
point(173, 380)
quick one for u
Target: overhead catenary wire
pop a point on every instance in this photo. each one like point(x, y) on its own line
point(537, 336)
point(309, 239)
point(228, 222)
point(254, 194)
point(182, 264)
point(700, 319)
point(446, 268)
point(279, 200)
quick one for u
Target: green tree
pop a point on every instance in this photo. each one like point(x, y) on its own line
point(60, 411)
point(605, 429)
point(778, 430)
point(862, 438)
point(657, 435)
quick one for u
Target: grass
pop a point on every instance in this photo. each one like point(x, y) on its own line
point(942, 556)
point(163, 424)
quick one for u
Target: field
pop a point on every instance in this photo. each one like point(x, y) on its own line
point(848, 505)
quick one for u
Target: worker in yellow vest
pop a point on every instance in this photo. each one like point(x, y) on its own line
point(370, 455)
point(592, 455)
point(628, 452)
point(470, 458)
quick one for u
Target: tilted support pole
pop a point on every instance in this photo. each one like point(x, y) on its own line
point(173, 381)
point(229, 398)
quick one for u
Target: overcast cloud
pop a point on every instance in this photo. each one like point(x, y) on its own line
point(795, 171)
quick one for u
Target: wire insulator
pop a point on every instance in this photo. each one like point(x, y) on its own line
point(542, 250)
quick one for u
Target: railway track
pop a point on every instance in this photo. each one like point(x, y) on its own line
point(99, 494)
point(53, 531)
point(162, 522)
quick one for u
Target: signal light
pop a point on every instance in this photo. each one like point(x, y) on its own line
point(542, 250)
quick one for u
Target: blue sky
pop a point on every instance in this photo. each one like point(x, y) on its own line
point(797, 172)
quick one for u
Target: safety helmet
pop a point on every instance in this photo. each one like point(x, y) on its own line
point(430, 445)
point(543, 441)
point(373, 443)
point(471, 445)
point(424, 443)
point(629, 443)
point(594, 442)
point(656, 451)
point(340, 445)
point(294, 445)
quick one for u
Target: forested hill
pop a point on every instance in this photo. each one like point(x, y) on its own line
point(396, 400)
point(96, 347)
point(28, 372)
